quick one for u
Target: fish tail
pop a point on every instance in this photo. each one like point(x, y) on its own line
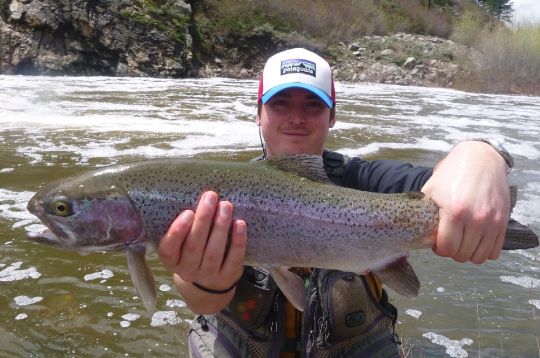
point(519, 236)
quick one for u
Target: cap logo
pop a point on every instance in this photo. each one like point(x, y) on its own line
point(298, 66)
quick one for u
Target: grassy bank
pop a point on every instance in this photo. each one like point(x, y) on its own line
point(507, 60)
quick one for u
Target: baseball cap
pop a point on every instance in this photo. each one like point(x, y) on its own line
point(297, 68)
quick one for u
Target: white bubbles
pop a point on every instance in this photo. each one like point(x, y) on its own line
point(14, 273)
point(535, 303)
point(104, 274)
point(413, 313)
point(164, 288)
point(128, 318)
point(164, 318)
point(13, 207)
point(454, 348)
point(523, 281)
point(25, 300)
point(21, 316)
point(131, 317)
point(176, 304)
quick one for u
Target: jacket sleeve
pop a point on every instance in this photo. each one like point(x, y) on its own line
point(385, 176)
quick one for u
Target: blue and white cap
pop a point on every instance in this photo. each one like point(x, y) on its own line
point(297, 68)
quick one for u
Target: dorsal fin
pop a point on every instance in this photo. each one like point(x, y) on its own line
point(304, 165)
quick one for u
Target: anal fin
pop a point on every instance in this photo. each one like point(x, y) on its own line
point(291, 285)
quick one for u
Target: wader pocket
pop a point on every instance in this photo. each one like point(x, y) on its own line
point(205, 340)
point(374, 345)
point(254, 298)
point(348, 304)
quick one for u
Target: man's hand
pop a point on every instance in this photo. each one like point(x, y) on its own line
point(470, 187)
point(194, 250)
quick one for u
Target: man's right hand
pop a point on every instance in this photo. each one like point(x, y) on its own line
point(194, 250)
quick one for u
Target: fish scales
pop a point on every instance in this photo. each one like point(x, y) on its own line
point(290, 219)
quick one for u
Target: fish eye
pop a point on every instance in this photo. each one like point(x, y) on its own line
point(61, 207)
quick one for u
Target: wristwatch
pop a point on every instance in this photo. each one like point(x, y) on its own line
point(495, 144)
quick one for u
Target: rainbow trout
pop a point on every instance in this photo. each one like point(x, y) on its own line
point(296, 218)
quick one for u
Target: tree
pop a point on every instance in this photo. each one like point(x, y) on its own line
point(502, 9)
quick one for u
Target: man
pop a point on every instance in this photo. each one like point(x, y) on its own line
point(296, 109)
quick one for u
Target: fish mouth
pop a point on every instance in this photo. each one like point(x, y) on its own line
point(44, 237)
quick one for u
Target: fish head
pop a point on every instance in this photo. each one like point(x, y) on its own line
point(89, 212)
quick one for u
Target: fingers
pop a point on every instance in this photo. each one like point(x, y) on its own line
point(169, 247)
point(495, 252)
point(217, 240)
point(447, 244)
point(234, 262)
point(467, 237)
point(194, 245)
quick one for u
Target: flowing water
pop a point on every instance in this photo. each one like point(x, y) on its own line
point(59, 303)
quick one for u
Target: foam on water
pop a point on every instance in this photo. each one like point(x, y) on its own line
point(164, 318)
point(21, 316)
point(176, 303)
point(535, 303)
point(164, 288)
point(453, 347)
point(413, 313)
point(14, 273)
point(132, 317)
point(25, 300)
point(104, 274)
point(13, 207)
point(523, 281)
point(208, 116)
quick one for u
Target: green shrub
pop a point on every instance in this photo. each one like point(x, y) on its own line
point(468, 29)
point(508, 61)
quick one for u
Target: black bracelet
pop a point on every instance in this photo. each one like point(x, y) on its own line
point(209, 290)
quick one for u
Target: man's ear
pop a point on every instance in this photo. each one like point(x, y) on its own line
point(332, 117)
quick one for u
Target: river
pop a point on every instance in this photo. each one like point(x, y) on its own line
point(59, 303)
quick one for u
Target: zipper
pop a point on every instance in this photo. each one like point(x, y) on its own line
point(276, 327)
point(308, 326)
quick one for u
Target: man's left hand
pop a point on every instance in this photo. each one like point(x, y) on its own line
point(470, 186)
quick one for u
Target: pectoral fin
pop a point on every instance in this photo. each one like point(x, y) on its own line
point(142, 277)
point(400, 277)
point(291, 285)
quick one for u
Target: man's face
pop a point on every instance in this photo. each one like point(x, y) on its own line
point(295, 121)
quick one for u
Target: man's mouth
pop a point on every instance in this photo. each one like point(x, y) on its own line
point(295, 132)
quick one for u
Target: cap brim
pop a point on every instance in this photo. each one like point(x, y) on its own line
point(316, 91)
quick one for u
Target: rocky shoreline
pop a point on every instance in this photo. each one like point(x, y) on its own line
point(123, 39)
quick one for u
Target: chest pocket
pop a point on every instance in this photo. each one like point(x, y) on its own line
point(349, 304)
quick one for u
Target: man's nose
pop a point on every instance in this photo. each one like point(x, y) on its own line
point(297, 114)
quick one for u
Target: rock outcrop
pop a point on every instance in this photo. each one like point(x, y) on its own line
point(96, 37)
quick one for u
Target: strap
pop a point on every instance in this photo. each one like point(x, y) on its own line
point(210, 290)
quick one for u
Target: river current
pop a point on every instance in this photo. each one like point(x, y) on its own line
point(60, 303)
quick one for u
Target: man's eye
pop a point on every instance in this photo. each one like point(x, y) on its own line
point(315, 104)
point(279, 102)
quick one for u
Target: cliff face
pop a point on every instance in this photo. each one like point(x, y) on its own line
point(97, 37)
